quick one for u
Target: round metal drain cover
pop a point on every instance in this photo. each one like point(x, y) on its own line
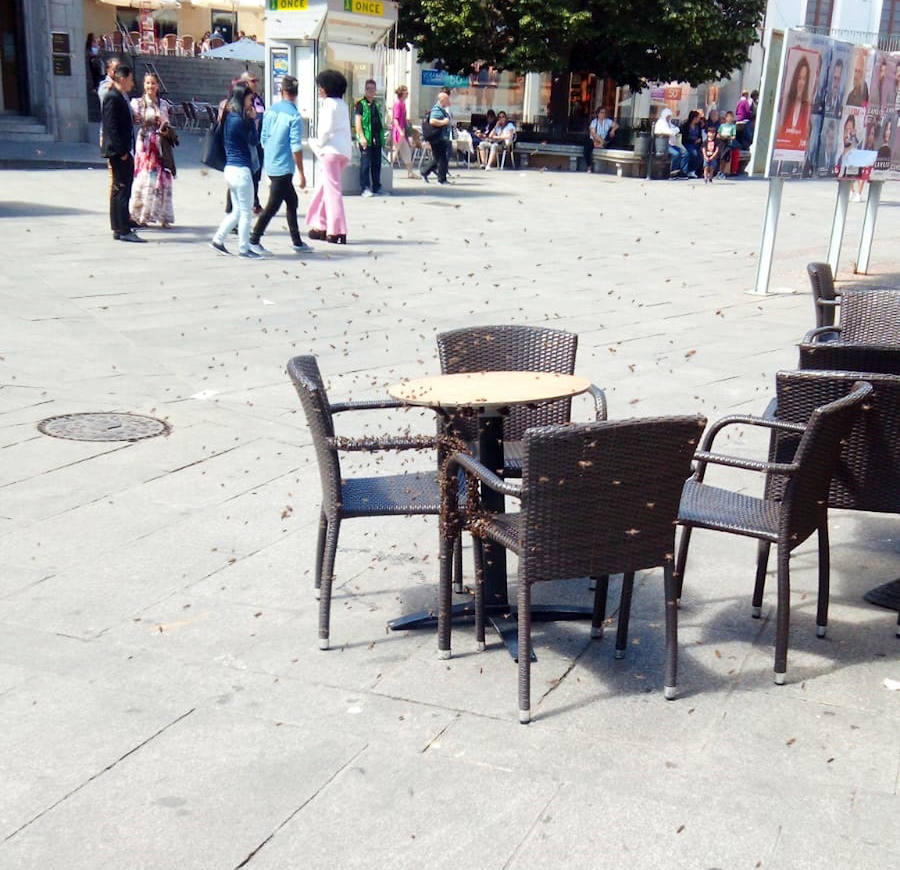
point(103, 427)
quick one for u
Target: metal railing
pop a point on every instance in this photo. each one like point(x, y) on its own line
point(884, 41)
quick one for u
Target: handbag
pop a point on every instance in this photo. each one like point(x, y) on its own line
point(429, 132)
point(213, 151)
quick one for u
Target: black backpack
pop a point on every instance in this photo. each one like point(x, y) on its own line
point(429, 132)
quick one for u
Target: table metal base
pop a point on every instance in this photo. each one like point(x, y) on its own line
point(503, 618)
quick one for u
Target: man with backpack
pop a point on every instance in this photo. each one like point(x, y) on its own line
point(436, 129)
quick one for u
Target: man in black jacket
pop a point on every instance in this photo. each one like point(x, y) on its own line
point(118, 148)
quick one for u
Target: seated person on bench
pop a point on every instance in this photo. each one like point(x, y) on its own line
point(500, 137)
point(600, 134)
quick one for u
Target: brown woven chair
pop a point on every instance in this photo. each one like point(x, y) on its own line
point(868, 316)
point(842, 356)
point(597, 498)
point(824, 295)
point(514, 349)
point(867, 476)
point(788, 521)
point(413, 493)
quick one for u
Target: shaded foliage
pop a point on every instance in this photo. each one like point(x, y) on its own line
point(634, 41)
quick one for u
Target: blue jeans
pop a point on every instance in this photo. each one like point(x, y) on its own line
point(370, 167)
point(694, 160)
point(680, 159)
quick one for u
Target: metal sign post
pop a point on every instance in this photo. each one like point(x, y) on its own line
point(838, 223)
point(770, 230)
point(868, 230)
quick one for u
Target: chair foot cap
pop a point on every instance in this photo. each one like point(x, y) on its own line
point(820, 631)
point(597, 632)
point(524, 716)
point(317, 593)
point(756, 612)
point(779, 679)
point(323, 643)
point(670, 693)
point(480, 646)
point(458, 588)
point(443, 654)
point(620, 654)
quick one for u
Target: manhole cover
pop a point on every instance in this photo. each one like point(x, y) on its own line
point(103, 427)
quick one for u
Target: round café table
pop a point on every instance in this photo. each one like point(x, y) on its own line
point(490, 395)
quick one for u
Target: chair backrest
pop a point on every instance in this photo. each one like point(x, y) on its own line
point(806, 494)
point(513, 349)
point(822, 283)
point(187, 43)
point(600, 498)
point(307, 380)
point(844, 356)
point(867, 476)
point(871, 316)
point(216, 42)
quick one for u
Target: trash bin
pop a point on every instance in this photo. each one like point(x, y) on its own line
point(641, 144)
point(661, 146)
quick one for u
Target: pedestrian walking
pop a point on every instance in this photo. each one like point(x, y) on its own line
point(118, 147)
point(154, 166)
point(368, 117)
point(240, 150)
point(282, 141)
point(325, 216)
point(400, 130)
point(440, 144)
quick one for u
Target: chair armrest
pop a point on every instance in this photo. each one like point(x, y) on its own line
point(389, 442)
point(481, 472)
point(704, 457)
point(747, 420)
point(368, 405)
point(816, 336)
point(599, 402)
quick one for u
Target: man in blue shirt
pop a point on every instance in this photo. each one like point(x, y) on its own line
point(439, 118)
point(281, 139)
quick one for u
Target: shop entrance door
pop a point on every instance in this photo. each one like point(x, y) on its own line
point(13, 69)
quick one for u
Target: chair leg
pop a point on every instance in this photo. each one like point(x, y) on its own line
point(320, 550)
point(683, 544)
point(331, 542)
point(624, 614)
point(783, 615)
point(762, 563)
point(601, 587)
point(671, 589)
point(524, 623)
point(457, 565)
point(478, 553)
point(445, 596)
point(824, 580)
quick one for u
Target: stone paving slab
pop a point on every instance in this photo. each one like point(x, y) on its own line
point(158, 661)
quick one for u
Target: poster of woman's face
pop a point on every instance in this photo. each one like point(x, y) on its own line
point(802, 70)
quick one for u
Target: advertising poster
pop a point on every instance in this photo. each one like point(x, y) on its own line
point(806, 59)
point(881, 117)
point(278, 57)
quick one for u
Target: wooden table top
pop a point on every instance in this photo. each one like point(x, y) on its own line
point(487, 389)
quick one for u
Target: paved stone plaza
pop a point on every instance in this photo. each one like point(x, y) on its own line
point(162, 698)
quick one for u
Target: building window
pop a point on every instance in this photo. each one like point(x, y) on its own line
point(818, 13)
point(890, 18)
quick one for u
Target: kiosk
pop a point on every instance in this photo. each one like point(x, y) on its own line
point(306, 36)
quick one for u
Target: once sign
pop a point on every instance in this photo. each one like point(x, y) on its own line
point(365, 7)
point(288, 5)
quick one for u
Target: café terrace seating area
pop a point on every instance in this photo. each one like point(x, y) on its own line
point(510, 468)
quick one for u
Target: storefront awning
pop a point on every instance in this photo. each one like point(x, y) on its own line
point(354, 22)
point(153, 4)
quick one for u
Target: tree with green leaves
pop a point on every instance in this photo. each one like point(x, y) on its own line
point(632, 41)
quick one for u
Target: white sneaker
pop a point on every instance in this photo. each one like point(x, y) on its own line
point(367, 192)
point(259, 249)
point(692, 174)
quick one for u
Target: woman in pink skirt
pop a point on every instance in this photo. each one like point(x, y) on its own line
point(325, 216)
point(398, 130)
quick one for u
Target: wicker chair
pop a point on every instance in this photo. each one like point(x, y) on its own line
point(410, 494)
point(514, 349)
point(867, 317)
point(842, 356)
point(824, 296)
point(788, 521)
point(867, 477)
point(616, 512)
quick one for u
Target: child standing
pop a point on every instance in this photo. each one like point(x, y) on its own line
point(710, 152)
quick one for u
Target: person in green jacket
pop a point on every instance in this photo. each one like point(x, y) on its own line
point(368, 119)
